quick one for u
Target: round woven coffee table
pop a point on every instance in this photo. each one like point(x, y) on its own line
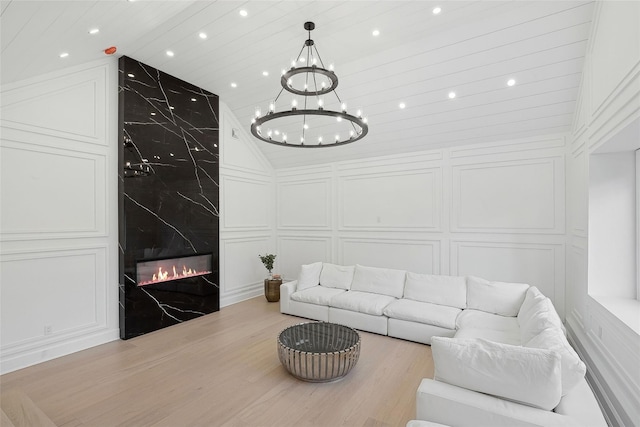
point(318, 351)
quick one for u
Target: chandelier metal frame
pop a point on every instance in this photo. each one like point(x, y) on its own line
point(358, 123)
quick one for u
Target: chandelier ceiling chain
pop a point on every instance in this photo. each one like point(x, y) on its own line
point(318, 80)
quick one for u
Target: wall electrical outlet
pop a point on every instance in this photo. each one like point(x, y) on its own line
point(48, 329)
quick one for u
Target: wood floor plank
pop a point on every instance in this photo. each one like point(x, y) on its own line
point(222, 370)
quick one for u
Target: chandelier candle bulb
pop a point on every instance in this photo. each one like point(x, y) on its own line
point(320, 104)
point(272, 107)
point(344, 107)
point(294, 104)
point(258, 112)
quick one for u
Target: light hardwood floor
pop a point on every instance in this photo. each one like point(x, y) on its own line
point(222, 370)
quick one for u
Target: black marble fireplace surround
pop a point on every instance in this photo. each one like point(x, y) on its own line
point(168, 200)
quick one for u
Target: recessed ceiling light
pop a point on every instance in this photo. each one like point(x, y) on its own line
point(375, 33)
point(265, 73)
point(64, 54)
point(202, 35)
point(131, 75)
point(402, 105)
point(234, 84)
point(511, 82)
point(243, 12)
point(436, 10)
point(170, 53)
point(94, 31)
point(452, 95)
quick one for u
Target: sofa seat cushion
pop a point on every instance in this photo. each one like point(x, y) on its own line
point(526, 375)
point(573, 369)
point(504, 337)
point(423, 312)
point(316, 295)
point(441, 290)
point(495, 297)
point(362, 302)
point(482, 320)
point(383, 281)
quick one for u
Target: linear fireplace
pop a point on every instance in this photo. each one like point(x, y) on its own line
point(152, 272)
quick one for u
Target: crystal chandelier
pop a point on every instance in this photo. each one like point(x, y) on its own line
point(309, 122)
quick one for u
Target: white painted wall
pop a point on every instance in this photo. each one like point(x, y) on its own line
point(247, 223)
point(493, 210)
point(604, 330)
point(59, 218)
point(58, 214)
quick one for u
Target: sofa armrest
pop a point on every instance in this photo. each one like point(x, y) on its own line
point(286, 289)
point(447, 404)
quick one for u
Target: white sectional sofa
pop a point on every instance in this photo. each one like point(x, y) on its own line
point(500, 352)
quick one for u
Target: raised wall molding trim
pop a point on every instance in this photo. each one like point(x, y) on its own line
point(507, 147)
point(431, 216)
point(37, 220)
point(253, 205)
point(98, 322)
point(555, 211)
point(304, 208)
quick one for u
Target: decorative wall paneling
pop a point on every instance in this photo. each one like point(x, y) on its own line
point(305, 248)
point(241, 274)
point(397, 211)
point(517, 196)
point(49, 176)
point(59, 214)
point(305, 204)
point(608, 101)
point(419, 256)
point(246, 212)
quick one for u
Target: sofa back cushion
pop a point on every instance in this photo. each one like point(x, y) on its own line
point(336, 276)
point(383, 281)
point(500, 298)
point(309, 275)
point(538, 318)
point(441, 290)
point(531, 297)
point(573, 369)
point(525, 375)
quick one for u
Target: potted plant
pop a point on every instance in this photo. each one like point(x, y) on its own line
point(268, 260)
point(271, 287)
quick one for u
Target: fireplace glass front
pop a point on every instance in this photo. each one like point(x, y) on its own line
point(166, 270)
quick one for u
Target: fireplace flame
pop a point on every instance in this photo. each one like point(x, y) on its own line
point(162, 275)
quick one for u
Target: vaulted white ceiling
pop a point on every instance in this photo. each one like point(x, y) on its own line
point(471, 48)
